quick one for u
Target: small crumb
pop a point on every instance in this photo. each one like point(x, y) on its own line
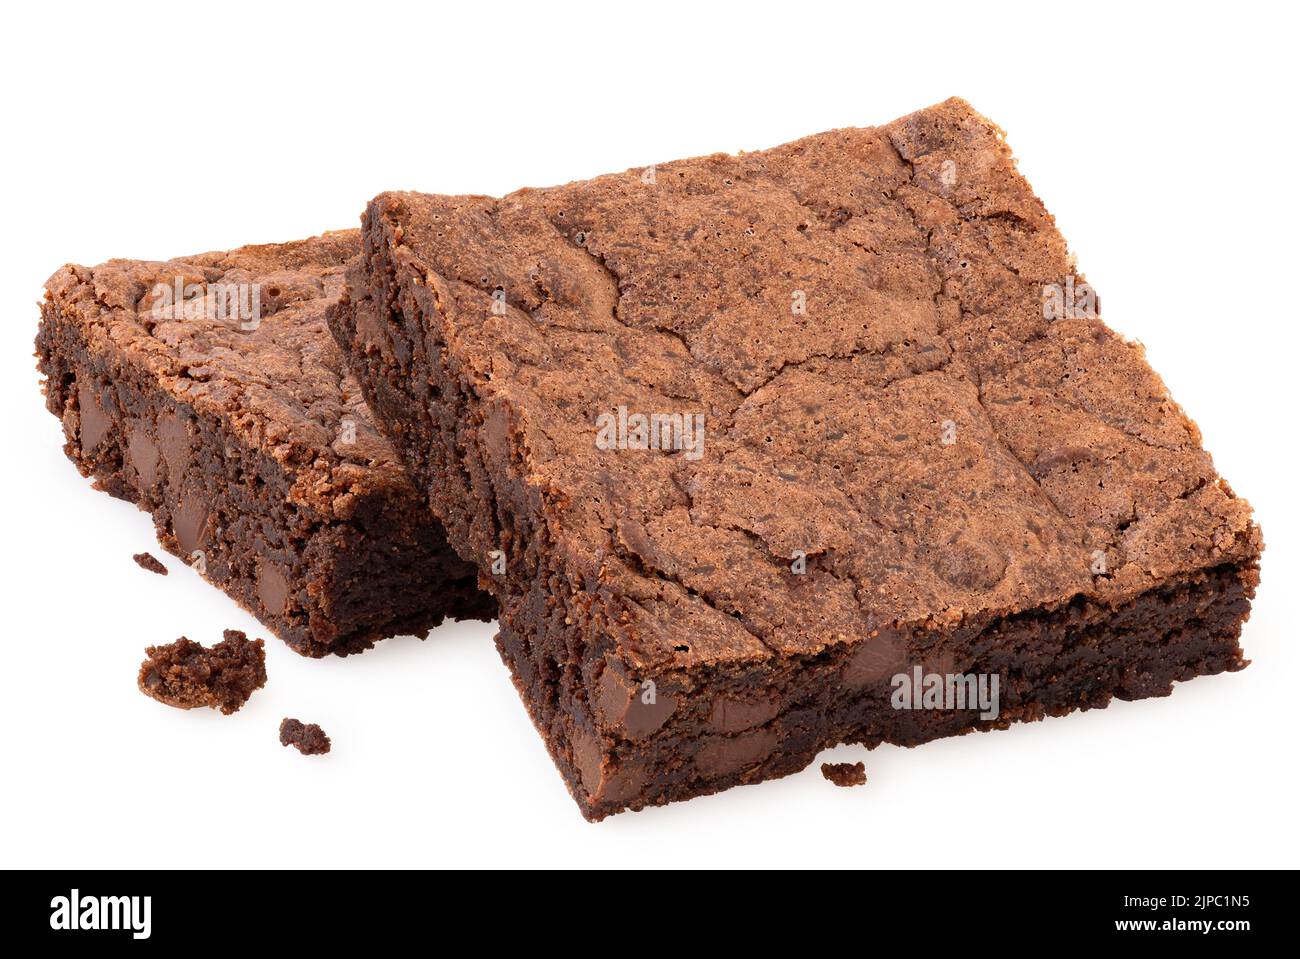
point(845, 774)
point(150, 562)
point(186, 675)
point(310, 740)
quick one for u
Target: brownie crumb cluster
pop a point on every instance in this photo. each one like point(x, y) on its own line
point(308, 739)
point(150, 562)
point(187, 675)
point(845, 774)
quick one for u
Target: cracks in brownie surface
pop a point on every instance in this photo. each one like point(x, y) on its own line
point(949, 366)
point(974, 379)
point(994, 234)
point(638, 562)
point(1074, 401)
point(891, 350)
point(616, 283)
point(946, 367)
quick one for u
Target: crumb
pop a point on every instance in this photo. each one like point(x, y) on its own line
point(845, 774)
point(186, 675)
point(310, 740)
point(150, 562)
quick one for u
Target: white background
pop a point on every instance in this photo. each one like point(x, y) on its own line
point(1162, 139)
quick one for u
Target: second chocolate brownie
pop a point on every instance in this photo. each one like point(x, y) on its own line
point(208, 391)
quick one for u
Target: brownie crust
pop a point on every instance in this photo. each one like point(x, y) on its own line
point(251, 447)
point(910, 458)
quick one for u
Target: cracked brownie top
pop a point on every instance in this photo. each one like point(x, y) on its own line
point(241, 336)
point(783, 399)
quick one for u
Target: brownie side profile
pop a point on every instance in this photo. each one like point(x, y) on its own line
point(187, 675)
point(918, 450)
point(245, 438)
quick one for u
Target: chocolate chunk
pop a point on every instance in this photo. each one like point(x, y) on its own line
point(638, 709)
point(600, 774)
point(874, 660)
point(272, 587)
point(144, 456)
point(723, 755)
point(190, 522)
point(174, 440)
point(95, 425)
point(735, 715)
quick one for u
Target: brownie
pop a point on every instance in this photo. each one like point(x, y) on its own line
point(150, 562)
point(208, 391)
point(309, 739)
point(187, 675)
point(845, 774)
point(741, 442)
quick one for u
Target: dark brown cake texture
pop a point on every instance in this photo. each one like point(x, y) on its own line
point(247, 441)
point(845, 774)
point(187, 675)
point(309, 739)
point(150, 562)
point(921, 450)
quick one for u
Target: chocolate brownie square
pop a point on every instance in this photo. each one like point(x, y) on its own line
point(820, 444)
point(207, 390)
